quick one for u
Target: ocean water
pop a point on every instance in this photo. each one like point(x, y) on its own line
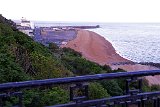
point(139, 42)
point(48, 24)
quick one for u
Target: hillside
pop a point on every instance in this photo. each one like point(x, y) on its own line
point(23, 59)
point(20, 55)
point(96, 48)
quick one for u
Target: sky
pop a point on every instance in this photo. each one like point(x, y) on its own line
point(82, 10)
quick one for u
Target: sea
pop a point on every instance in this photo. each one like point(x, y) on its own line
point(138, 42)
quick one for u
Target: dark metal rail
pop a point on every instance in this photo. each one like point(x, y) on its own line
point(36, 83)
point(131, 97)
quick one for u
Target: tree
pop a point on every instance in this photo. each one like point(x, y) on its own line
point(112, 87)
point(97, 91)
point(10, 71)
point(53, 47)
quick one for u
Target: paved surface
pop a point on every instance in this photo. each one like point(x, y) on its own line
point(46, 37)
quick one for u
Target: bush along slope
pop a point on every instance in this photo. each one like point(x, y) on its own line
point(22, 59)
point(29, 57)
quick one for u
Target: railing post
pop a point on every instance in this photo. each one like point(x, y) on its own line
point(21, 100)
point(155, 103)
point(139, 104)
point(132, 80)
point(127, 87)
point(158, 102)
point(81, 87)
point(140, 85)
point(143, 103)
point(126, 105)
point(1, 102)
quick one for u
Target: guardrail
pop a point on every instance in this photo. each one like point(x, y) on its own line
point(135, 96)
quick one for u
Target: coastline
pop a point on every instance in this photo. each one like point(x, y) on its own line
point(96, 48)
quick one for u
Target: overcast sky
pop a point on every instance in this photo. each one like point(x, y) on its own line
point(83, 10)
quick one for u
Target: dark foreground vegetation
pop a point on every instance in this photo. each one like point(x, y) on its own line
point(23, 59)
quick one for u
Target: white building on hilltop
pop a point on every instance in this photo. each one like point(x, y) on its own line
point(26, 23)
point(26, 27)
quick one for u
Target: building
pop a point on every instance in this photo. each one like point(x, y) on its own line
point(26, 27)
point(27, 31)
point(26, 23)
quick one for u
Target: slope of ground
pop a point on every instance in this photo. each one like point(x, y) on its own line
point(95, 48)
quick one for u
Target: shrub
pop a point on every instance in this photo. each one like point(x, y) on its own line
point(112, 87)
point(97, 91)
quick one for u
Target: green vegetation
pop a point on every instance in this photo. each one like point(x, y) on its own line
point(80, 66)
point(41, 98)
point(22, 55)
point(96, 91)
point(23, 59)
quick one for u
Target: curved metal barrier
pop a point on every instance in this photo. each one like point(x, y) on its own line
point(131, 96)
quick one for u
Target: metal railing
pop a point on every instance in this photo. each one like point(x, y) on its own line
point(135, 96)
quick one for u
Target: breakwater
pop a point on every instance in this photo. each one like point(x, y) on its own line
point(80, 27)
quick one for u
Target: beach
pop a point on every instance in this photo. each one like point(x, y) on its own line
point(96, 48)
